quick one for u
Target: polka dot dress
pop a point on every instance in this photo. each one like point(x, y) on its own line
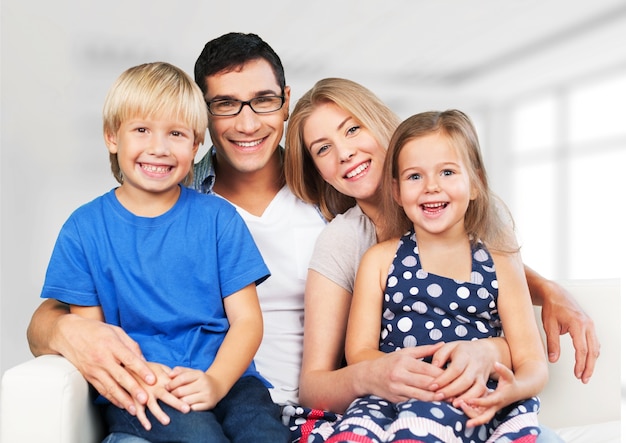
point(418, 309)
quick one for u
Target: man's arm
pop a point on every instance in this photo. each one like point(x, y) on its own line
point(104, 354)
point(561, 314)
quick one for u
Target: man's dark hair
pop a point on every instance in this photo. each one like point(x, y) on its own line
point(231, 51)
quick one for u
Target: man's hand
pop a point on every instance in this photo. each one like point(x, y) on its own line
point(106, 356)
point(561, 314)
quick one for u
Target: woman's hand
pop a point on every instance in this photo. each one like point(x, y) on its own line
point(402, 375)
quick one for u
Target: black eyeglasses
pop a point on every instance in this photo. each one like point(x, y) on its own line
point(260, 105)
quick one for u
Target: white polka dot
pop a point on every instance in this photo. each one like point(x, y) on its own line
point(409, 261)
point(421, 274)
point(409, 341)
point(438, 310)
point(388, 315)
point(489, 268)
point(481, 327)
point(471, 309)
point(392, 281)
point(437, 413)
point(446, 322)
point(461, 331)
point(414, 290)
point(494, 284)
point(453, 306)
point(405, 324)
point(429, 325)
point(435, 334)
point(481, 255)
point(398, 297)
point(420, 307)
point(461, 319)
point(476, 278)
point(434, 290)
point(407, 275)
point(463, 292)
point(483, 293)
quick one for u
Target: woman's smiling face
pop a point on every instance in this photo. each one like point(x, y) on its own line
point(346, 154)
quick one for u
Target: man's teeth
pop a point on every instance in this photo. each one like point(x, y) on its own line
point(249, 144)
point(356, 171)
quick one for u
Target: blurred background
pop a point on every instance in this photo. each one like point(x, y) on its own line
point(543, 80)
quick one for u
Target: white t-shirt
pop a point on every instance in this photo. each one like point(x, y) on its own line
point(285, 234)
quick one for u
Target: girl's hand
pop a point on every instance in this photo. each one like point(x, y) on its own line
point(481, 410)
point(469, 365)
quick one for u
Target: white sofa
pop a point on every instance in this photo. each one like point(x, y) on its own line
point(47, 400)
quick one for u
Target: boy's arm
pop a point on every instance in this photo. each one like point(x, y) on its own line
point(233, 357)
point(242, 339)
point(104, 354)
point(561, 314)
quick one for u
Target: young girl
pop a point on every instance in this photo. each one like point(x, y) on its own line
point(454, 274)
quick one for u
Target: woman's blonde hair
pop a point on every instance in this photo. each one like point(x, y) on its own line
point(487, 218)
point(300, 172)
point(154, 89)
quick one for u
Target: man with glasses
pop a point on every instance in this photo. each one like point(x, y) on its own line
point(243, 82)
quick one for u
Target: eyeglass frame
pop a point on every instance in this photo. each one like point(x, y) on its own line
point(242, 103)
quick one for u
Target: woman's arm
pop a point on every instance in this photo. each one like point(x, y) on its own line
point(561, 314)
point(104, 354)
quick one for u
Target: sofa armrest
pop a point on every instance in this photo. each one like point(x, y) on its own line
point(567, 403)
point(47, 399)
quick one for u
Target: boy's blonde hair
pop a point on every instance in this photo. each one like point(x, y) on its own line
point(301, 174)
point(487, 218)
point(156, 89)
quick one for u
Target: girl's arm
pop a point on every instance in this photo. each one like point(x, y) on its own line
point(325, 383)
point(468, 364)
point(397, 376)
point(519, 325)
point(530, 370)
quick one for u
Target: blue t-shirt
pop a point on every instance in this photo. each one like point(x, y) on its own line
point(161, 279)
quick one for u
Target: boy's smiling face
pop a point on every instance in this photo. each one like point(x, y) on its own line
point(155, 154)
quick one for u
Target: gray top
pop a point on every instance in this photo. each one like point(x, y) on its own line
point(341, 245)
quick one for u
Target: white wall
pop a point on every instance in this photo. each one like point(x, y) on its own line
point(59, 59)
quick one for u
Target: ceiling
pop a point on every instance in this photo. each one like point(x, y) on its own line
point(412, 53)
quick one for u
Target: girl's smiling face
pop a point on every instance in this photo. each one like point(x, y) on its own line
point(434, 186)
point(346, 154)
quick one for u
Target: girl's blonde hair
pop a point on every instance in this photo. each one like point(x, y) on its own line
point(154, 89)
point(487, 218)
point(300, 172)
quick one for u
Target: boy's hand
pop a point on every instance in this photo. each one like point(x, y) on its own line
point(196, 388)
